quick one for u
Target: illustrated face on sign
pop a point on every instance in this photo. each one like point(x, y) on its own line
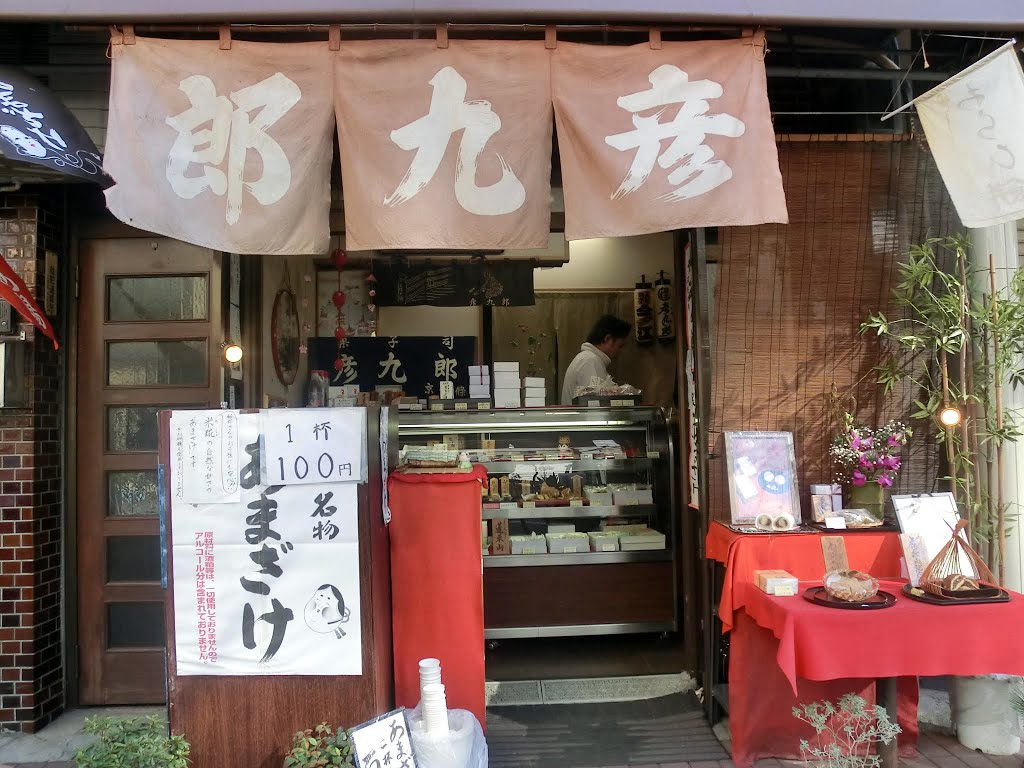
point(326, 612)
point(24, 143)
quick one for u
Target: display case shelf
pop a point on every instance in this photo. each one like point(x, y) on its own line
point(577, 465)
point(577, 558)
point(570, 592)
point(540, 513)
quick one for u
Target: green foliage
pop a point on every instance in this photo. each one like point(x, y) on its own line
point(846, 732)
point(320, 746)
point(132, 742)
point(955, 343)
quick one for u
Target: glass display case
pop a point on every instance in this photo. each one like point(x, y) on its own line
point(577, 519)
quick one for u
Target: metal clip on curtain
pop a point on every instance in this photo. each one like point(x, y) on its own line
point(334, 37)
point(224, 32)
point(655, 39)
point(442, 35)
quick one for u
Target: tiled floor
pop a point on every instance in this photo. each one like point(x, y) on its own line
point(935, 751)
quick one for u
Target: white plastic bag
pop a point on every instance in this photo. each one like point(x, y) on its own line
point(463, 747)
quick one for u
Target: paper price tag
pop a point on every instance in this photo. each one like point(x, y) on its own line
point(462, 406)
point(576, 503)
point(835, 523)
point(314, 445)
point(784, 590)
point(437, 406)
point(529, 504)
point(654, 454)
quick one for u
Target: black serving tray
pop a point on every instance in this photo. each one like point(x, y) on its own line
point(928, 597)
point(819, 596)
point(883, 528)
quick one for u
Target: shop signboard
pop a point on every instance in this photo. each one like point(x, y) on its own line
point(415, 365)
point(226, 149)
point(676, 135)
point(483, 283)
point(451, 143)
point(265, 576)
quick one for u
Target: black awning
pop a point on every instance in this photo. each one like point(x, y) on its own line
point(37, 128)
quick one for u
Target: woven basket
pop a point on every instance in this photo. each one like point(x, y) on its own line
point(948, 564)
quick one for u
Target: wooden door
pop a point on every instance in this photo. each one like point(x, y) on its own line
point(149, 330)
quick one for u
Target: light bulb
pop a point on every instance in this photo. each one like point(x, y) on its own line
point(233, 353)
point(949, 416)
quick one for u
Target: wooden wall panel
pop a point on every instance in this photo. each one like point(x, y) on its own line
point(788, 301)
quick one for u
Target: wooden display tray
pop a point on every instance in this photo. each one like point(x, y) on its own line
point(819, 596)
point(432, 470)
point(928, 597)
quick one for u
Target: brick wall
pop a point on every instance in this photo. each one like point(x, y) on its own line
point(31, 508)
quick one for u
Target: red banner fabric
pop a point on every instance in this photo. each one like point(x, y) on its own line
point(14, 291)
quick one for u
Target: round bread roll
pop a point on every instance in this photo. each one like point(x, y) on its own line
point(764, 521)
point(851, 586)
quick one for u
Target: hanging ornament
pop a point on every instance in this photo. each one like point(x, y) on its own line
point(339, 333)
point(339, 364)
point(338, 299)
point(665, 325)
point(373, 293)
point(643, 312)
point(340, 259)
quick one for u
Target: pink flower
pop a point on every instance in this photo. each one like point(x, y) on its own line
point(868, 442)
point(896, 439)
point(859, 478)
point(866, 462)
point(884, 480)
point(855, 443)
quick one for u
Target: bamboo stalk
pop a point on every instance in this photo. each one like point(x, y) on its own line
point(969, 489)
point(998, 388)
point(947, 433)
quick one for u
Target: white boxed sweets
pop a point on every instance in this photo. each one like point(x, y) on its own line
point(507, 368)
point(641, 540)
point(479, 370)
point(529, 545)
point(534, 382)
point(507, 398)
point(534, 392)
point(562, 528)
point(630, 496)
point(506, 381)
point(568, 542)
point(604, 541)
point(477, 391)
point(534, 402)
point(599, 496)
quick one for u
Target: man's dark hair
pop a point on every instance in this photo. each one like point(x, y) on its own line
point(608, 325)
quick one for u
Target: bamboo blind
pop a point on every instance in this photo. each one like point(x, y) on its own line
point(788, 301)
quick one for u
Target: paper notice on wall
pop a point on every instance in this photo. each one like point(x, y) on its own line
point(204, 457)
point(314, 445)
point(268, 585)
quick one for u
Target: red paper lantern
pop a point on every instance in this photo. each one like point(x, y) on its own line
point(339, 333)
point(338, 299)
point(340, 259)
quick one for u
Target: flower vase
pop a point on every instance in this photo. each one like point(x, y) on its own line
point(870, 496)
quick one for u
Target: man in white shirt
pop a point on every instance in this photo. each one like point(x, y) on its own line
point(605, 342)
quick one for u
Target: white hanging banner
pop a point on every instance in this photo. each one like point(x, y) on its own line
point(314, 445)
point(975, 127)
point(268, 585)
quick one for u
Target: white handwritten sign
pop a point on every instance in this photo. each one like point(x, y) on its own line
point(314, 445)
point(384, 742)
point(204, 457)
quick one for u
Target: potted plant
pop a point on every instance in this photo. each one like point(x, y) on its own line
point(132, 742)
point(868, 461)
point(320, 746)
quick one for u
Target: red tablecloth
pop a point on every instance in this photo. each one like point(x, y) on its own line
point(911, 638)
point(799, 553)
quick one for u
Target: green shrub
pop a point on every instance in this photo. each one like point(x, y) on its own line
point(320, 746)
point(132, 742)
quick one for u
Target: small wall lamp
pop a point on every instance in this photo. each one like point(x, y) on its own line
point(949, 416)
point(232, 352)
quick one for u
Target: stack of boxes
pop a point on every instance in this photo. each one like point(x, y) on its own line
point(534, 394)
point(479, 382)
point(507, 393)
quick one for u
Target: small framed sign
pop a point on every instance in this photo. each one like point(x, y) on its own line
point(384, 742)
point(762, 477)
